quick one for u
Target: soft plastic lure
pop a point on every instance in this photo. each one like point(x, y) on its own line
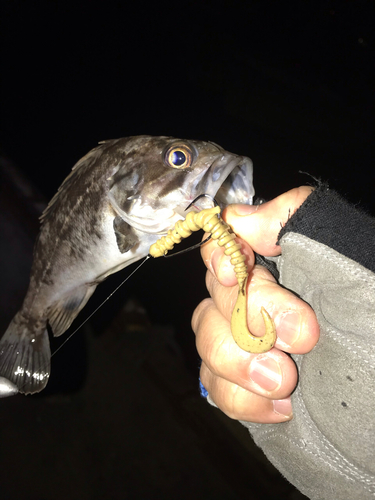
point(210, 221)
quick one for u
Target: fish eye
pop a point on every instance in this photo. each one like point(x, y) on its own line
point(179, 156)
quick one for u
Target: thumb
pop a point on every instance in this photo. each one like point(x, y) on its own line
point(259, 225)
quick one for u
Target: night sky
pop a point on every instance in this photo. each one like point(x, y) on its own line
point(289, 84)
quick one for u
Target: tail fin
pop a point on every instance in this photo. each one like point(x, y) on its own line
point(25, 354)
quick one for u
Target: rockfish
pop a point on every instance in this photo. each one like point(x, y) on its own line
point(113, 206)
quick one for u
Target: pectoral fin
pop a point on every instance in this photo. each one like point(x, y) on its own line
point(63, 312)
point(125, 235)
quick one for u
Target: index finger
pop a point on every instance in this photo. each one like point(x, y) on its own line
point(258, 227)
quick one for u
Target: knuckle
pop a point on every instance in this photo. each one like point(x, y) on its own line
point(214, 352)
point(208, 345)
point(261, 276)
point(205, 377)
point(199, 313)
point(233, 401)
point(212, 283)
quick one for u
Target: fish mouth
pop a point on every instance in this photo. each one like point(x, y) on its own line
point(237, 186)
point(230, 180)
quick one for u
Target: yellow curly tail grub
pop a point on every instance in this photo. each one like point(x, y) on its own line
point(210, 221)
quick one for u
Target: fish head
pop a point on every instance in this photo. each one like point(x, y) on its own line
point(159, 177)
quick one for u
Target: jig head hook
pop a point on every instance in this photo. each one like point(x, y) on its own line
point(197, 245)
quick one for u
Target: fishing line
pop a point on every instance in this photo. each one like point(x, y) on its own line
point(135, 270)
point(216, 204)
point(5, 381)
point(97, 309)
point(7, 388)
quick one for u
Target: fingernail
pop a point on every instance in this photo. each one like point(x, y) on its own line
point(243, 209)
point(288, 326)
point(266, 373)
point(283, 407)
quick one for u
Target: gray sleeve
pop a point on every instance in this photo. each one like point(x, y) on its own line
point(327, 450)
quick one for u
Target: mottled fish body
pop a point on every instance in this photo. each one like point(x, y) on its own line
point(113, 206)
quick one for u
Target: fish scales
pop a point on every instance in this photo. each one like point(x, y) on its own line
point(115, 203)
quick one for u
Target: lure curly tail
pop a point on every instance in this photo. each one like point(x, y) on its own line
point(210, 221)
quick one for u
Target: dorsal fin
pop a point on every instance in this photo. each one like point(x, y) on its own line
point(79, 168)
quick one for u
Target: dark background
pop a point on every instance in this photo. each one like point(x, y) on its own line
point(289, 84)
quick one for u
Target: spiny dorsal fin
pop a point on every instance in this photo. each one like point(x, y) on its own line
point(79, 168)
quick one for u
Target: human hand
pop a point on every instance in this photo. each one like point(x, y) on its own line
point(253, 387)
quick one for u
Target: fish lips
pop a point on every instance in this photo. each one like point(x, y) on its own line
point(229, 180)
point(235, 180)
